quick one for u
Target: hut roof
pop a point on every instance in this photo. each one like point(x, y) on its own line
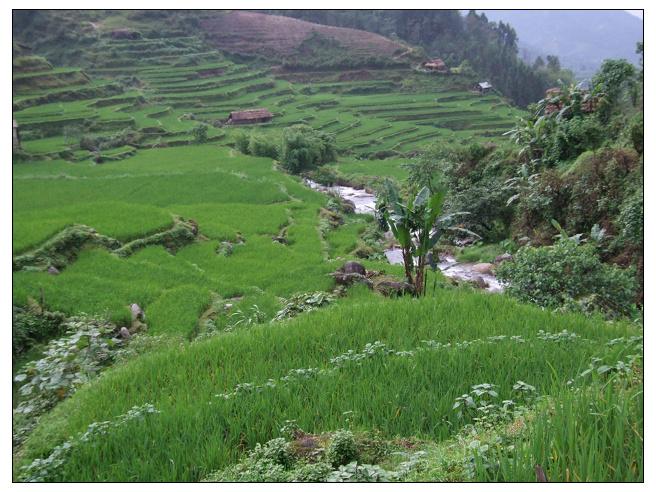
point(485, 85)
point(250, 114)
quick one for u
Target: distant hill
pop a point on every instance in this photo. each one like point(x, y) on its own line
point(582, 39)
point(250, 33)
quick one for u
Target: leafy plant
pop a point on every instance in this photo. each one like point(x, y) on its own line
point(417, 225)
point(568, 274)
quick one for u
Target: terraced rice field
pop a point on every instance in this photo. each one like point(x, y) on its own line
point(178, 83)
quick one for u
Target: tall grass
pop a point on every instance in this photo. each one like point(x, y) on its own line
point(198, 432)
point(595, 435)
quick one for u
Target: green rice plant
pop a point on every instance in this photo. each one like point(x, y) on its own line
point(415, 399)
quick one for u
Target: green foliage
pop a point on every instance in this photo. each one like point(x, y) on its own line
point(304, 148)
point(45, 469)
point(417, 225)
point(29, 326)
point(301, 303)
point(575, 136)
point(342, 449)
point(263, 145)
point(70, 361)
point(612, 83)
point(199, 132)
point(630, 221)
point(569, 275)
point(448, 324)
point(63, 248)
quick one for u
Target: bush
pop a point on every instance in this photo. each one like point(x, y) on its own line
point(631, 220)
point(262, 146)
point(199, 133)
point(28, 327)
point(575, 136)
point(568, 275)
point(342, 449)
point(241, 142)
point(304, 148)
point(636, 132)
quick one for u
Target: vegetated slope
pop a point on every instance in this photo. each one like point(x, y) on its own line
point(272, 35)
point(233, 198)
point(220, 397)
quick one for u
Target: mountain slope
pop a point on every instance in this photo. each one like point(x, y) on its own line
point(272, 35)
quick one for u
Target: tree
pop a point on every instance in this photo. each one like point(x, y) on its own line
point(200, 133)
point(417, 225)
point(304, 148)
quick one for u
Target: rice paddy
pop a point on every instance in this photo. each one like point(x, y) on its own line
point(373, 363)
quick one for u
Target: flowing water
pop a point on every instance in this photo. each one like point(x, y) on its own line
point(365, 203)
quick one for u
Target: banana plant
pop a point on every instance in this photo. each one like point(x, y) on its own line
point(417, 225)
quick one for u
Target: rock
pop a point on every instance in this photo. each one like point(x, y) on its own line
point(503, 257)
point(53, 271)
point(393, 288)
point(280, 239)
point(353, 267)
point(479, 282)
point(124, 333)
point(348, 206)
point(351, 278)
point(137, 312)
point(484, 268)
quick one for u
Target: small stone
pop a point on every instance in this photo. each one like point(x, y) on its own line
point(53, 271)
point(124, 333)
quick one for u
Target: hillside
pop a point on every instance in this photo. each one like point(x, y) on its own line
point(252, 248)
point(276, 36)
point(582, 39)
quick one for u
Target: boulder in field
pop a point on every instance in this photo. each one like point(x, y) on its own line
point(52, 270)
point(124, 333)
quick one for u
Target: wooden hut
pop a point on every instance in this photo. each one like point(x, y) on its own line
point(483, 87)
point(249, 116)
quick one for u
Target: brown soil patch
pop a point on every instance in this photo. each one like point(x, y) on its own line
point(251, 33)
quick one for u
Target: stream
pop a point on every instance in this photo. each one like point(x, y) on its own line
point(365, 203)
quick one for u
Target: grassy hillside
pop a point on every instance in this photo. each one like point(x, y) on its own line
point(129, 187)
point(489, 340)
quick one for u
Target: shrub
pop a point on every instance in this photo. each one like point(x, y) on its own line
point(28, 327)
point(630, 221)
point(304, 148)
point(342, 449)
point(199, 133)
point(568, 275)
point(262, 146)
point(636, 132)
point(241, 142)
